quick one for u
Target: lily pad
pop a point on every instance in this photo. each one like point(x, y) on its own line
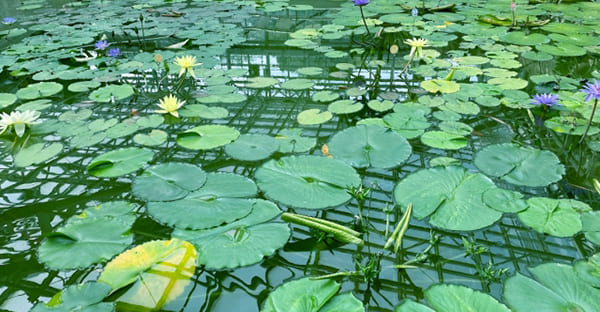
point(325, 96)
point(298, 84)
point(111, 93)
point(203, 111)
point(409, 124)
point(313, 117)
point(557, 289)
point(292, 141)
point(519, 165)
point(168, 181)
point(39, 90)
point(252, 147)
point(7, 99)
point(504, 200)
point(82, 297)
point(222, 199)
point(589, 270)
point(310, 182)
point(158, 270)
point(154, 138)
point(261, 82)
point(520, 38)
point(36, 154)
point(119, 162)
point(369, 146)
point(344, 107)
point(452, 196)
point(558, 217)
point(240, 243)
point(380, 106)
point(444, 140)
point(441, 85)
point(207, 137)
point(85, 240)
point(454, 298)
point(151, 121)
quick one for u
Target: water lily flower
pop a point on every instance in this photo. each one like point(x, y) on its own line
point(114, 52)
point(592, 90)
point(360, 2)
point(187, 63)
point(101, 45)
point(9, 20)
point(414, 12)
point(416, 46)
point(18, 120)
point(545, 99)
point(169, 104)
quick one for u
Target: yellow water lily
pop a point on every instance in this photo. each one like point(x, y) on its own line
point(416, 46)
point(169, 104)
point(187, 63)
point(18, 120)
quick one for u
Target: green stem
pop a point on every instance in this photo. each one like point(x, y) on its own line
point(587, 127)
point(365, 22)
point(340, 232)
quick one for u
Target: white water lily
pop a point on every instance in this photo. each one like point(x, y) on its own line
point(18, 120)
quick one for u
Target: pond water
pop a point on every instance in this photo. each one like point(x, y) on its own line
point(323, 109)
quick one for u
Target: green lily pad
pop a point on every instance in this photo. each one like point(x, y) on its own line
point(471, 60)
point(207, 137)
point(310, 71)
point(111, 93)
point(509, 83)
point(39, 90)
point(570, 125)
point(344, 107)
point(154, 138)
point(557, 289)
point(310, 182)
point(242, 242)
point(441, 85)
point(292, 141)
point(168, 181)
point(537, 56)
point(563, 49)
point(369, 146)
point(151, 121)
point(261, 82)
point(307, 295)
point(325, 96)
point(520, 38)
point(71, 116)
point(504, 200)
point(83, 86)
point(454, 298)
point(591, 226)
point(85, 240)
point(82, 297)
point(222, 199)
point(7, 99)
point(557, 217)
point(298, 84)
point(313, 117)
point(203, 111)
point(380, 106)
point(252, 147)
point(589, 270)
point(158, 270)
point(519, 165)
point(36, 154)
point(408, 123)
point(119, 162)
point(444, 140)
point(452, 196)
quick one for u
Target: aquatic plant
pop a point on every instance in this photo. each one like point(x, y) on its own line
point(169, 105)
point(187, 64)
point(101, 45)
point(114, 52)
point(593, 92)
point(549, 100)
point(8, 20)
point(18, 121)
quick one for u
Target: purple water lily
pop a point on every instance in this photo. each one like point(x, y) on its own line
point(101, 45)
point(114, 52)
point(360, 2)
point(9, 20)
point(592, 90)
point(545, 99)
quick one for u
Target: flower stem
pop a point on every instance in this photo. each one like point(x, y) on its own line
point(587, 127)
point(365, 21)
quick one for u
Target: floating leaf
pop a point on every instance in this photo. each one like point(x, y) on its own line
point(158, 270)
point(168, 181)
point(240, 243)
point(203, 111)
point(119, 162)
point(443, 140)
point(297, 84)
point(112, 93)
point(252, 147)
point(313, 117)
point(558, 217)
point(39, 90)
point(557, 289)
point(344, 107)
point(303, 295)
point(369, 146)
point(310, 182)
point(154, 138)
point(504, 200)
point(325, 96)
point(37, 153)
point(519, 165)
point(441, 85)
point(261, 82)
point(222, 199)
point(520, 38)
point(291, 141)
point(86, 297)
point(452, 196)
point(7, 99)
point(409, 123)
point(207, 137)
